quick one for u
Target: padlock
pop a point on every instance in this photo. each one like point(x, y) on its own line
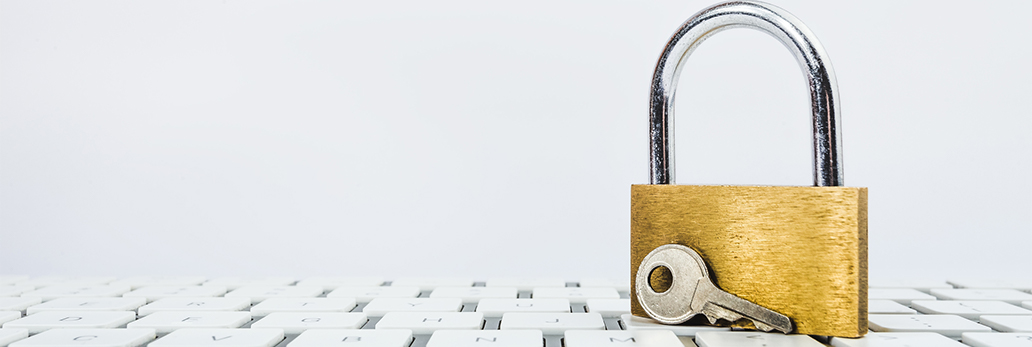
point(799, 251)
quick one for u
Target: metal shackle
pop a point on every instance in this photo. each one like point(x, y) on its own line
point(827, 164)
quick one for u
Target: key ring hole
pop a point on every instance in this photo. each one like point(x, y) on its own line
point(661, 278)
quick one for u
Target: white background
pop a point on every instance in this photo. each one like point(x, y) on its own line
point(482, 138)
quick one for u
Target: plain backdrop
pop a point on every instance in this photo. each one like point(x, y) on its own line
point(480, 139)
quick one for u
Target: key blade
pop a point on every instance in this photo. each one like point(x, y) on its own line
point(707, 294)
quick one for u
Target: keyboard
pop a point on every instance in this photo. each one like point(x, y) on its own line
point(157, 311)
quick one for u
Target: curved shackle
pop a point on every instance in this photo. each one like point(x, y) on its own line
point(827, 165)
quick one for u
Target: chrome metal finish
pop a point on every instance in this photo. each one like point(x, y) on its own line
point(692, 292)
point(827, 168)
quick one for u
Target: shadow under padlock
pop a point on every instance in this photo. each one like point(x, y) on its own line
point(799, 251)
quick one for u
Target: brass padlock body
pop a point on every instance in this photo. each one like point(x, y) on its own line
point(800, 251)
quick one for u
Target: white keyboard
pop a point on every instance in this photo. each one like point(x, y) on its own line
point(456, 312)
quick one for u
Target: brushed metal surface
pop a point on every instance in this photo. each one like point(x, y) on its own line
point(799, 251)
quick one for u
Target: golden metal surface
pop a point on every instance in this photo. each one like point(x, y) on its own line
point(800, 251)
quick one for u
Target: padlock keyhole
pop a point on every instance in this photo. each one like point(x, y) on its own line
point(660, 279)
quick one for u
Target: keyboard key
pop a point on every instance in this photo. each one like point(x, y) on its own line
point(83, 291)
point(18, 303)
point(6, 291)
point(472, 295)
point(380, 306)
point(366, 294)
point(525, 284)
point(9, 280)
point(232, 283)
point(493, 338)
point(153, 293)
point(574, 294)
point(162, 281)
point(640, 323)
point(220, 337)
point(998, 339)
point(298, 322)
point(259, 293)
point(903, 296)
point(47, 281)
point(331, 283)
point(430, 283)
point(495, 308)
point(42, 321)
point(353, 338)
point(7, 316)
point(1010, 324)
point(1027, 304)
point(949, 325)
point(621, 285)
point(428, 322)
point(88, 337)
point(10, 335)
point(596, 338)
point(552, 323)
point(88, 304)
point(1014, 283)
point(196, 304)
point(916, 284)
point(609, 308)
point(1009, 296)
point(897, 340)
point(887, 307)
point(302, 305)
point(750, 338)
point(968, 309)
point(168, 321)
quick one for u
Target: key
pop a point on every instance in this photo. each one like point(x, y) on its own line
point(493, 338)
point(88, 337)
point(10, 335)
point(196, 304)
point(1009, 324)
point(617, 338)
point(232, 283)
point(302, 305)
point(609, 308)
point(259, 293)
point(472, 295)
point(59, 291)
point(62, 280)
point(918, 284)
point(168, 321)
point(366, 294)
point(14, 290)
point(691, 292)
point(428, 322)
point(148, 281)
point(88, 304)
point(887, 307)
point(46, 320)
point(901, 295)
point(525, 284)
point(430, 283)
point(552, 323)
point(574, 294)
point(750, 339)
point(1009, 296)
point(18, 304)
point(298, 322)
point(897, 340)
point(331, 283)
point(220, 337)
point(946, 324)
point(1024, 285)
point(7, 316)
point(353, 338)
point(495, 308)
point(153, 293)
point(968, 309)
point(640, 323)
point(380, 306)
point(9, 280)
point(998, 339)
